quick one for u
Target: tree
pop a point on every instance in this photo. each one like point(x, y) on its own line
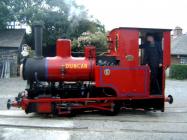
point(61, 18)
point(5, 15)
point(85, 25)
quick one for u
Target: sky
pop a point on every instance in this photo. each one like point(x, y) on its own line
point(138, 13)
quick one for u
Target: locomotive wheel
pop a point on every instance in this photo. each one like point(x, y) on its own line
point(114, 111)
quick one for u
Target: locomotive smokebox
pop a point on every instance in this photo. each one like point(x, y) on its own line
point(38, 37)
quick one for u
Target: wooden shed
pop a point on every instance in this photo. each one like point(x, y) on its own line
point(10, 43)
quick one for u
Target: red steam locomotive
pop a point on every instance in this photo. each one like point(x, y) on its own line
point(65, 84)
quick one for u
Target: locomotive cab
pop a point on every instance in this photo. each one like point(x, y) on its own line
point(127, 43)
point(118, 78)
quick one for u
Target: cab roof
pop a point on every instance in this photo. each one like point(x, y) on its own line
point(145, 29)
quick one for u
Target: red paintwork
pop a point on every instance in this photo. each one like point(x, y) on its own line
point(64, 67)
point(129, 80)
point(58, 100)
point(128, 46)
point(112, 38)
point(44, 107)
point(129, 73)
point(166, 58)
point(63, 48)
point(94, 105)
point(166, 50)
point(57, 71)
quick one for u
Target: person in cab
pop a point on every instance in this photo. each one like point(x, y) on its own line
point(153, 57)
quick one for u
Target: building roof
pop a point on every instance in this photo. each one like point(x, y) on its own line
point(179, 45)
point(11, 37)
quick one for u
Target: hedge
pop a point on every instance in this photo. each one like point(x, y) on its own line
point(178, 71)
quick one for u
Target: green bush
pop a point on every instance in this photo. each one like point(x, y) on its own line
point(178, 71)
point(97, 39)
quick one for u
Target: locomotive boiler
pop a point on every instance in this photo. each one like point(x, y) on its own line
point(117, 79)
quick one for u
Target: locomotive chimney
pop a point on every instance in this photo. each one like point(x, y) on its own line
point(38, 37)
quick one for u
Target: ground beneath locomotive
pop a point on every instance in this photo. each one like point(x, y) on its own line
point(172, 124)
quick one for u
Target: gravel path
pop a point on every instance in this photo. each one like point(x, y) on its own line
point(134, 125)
point(9, 88)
